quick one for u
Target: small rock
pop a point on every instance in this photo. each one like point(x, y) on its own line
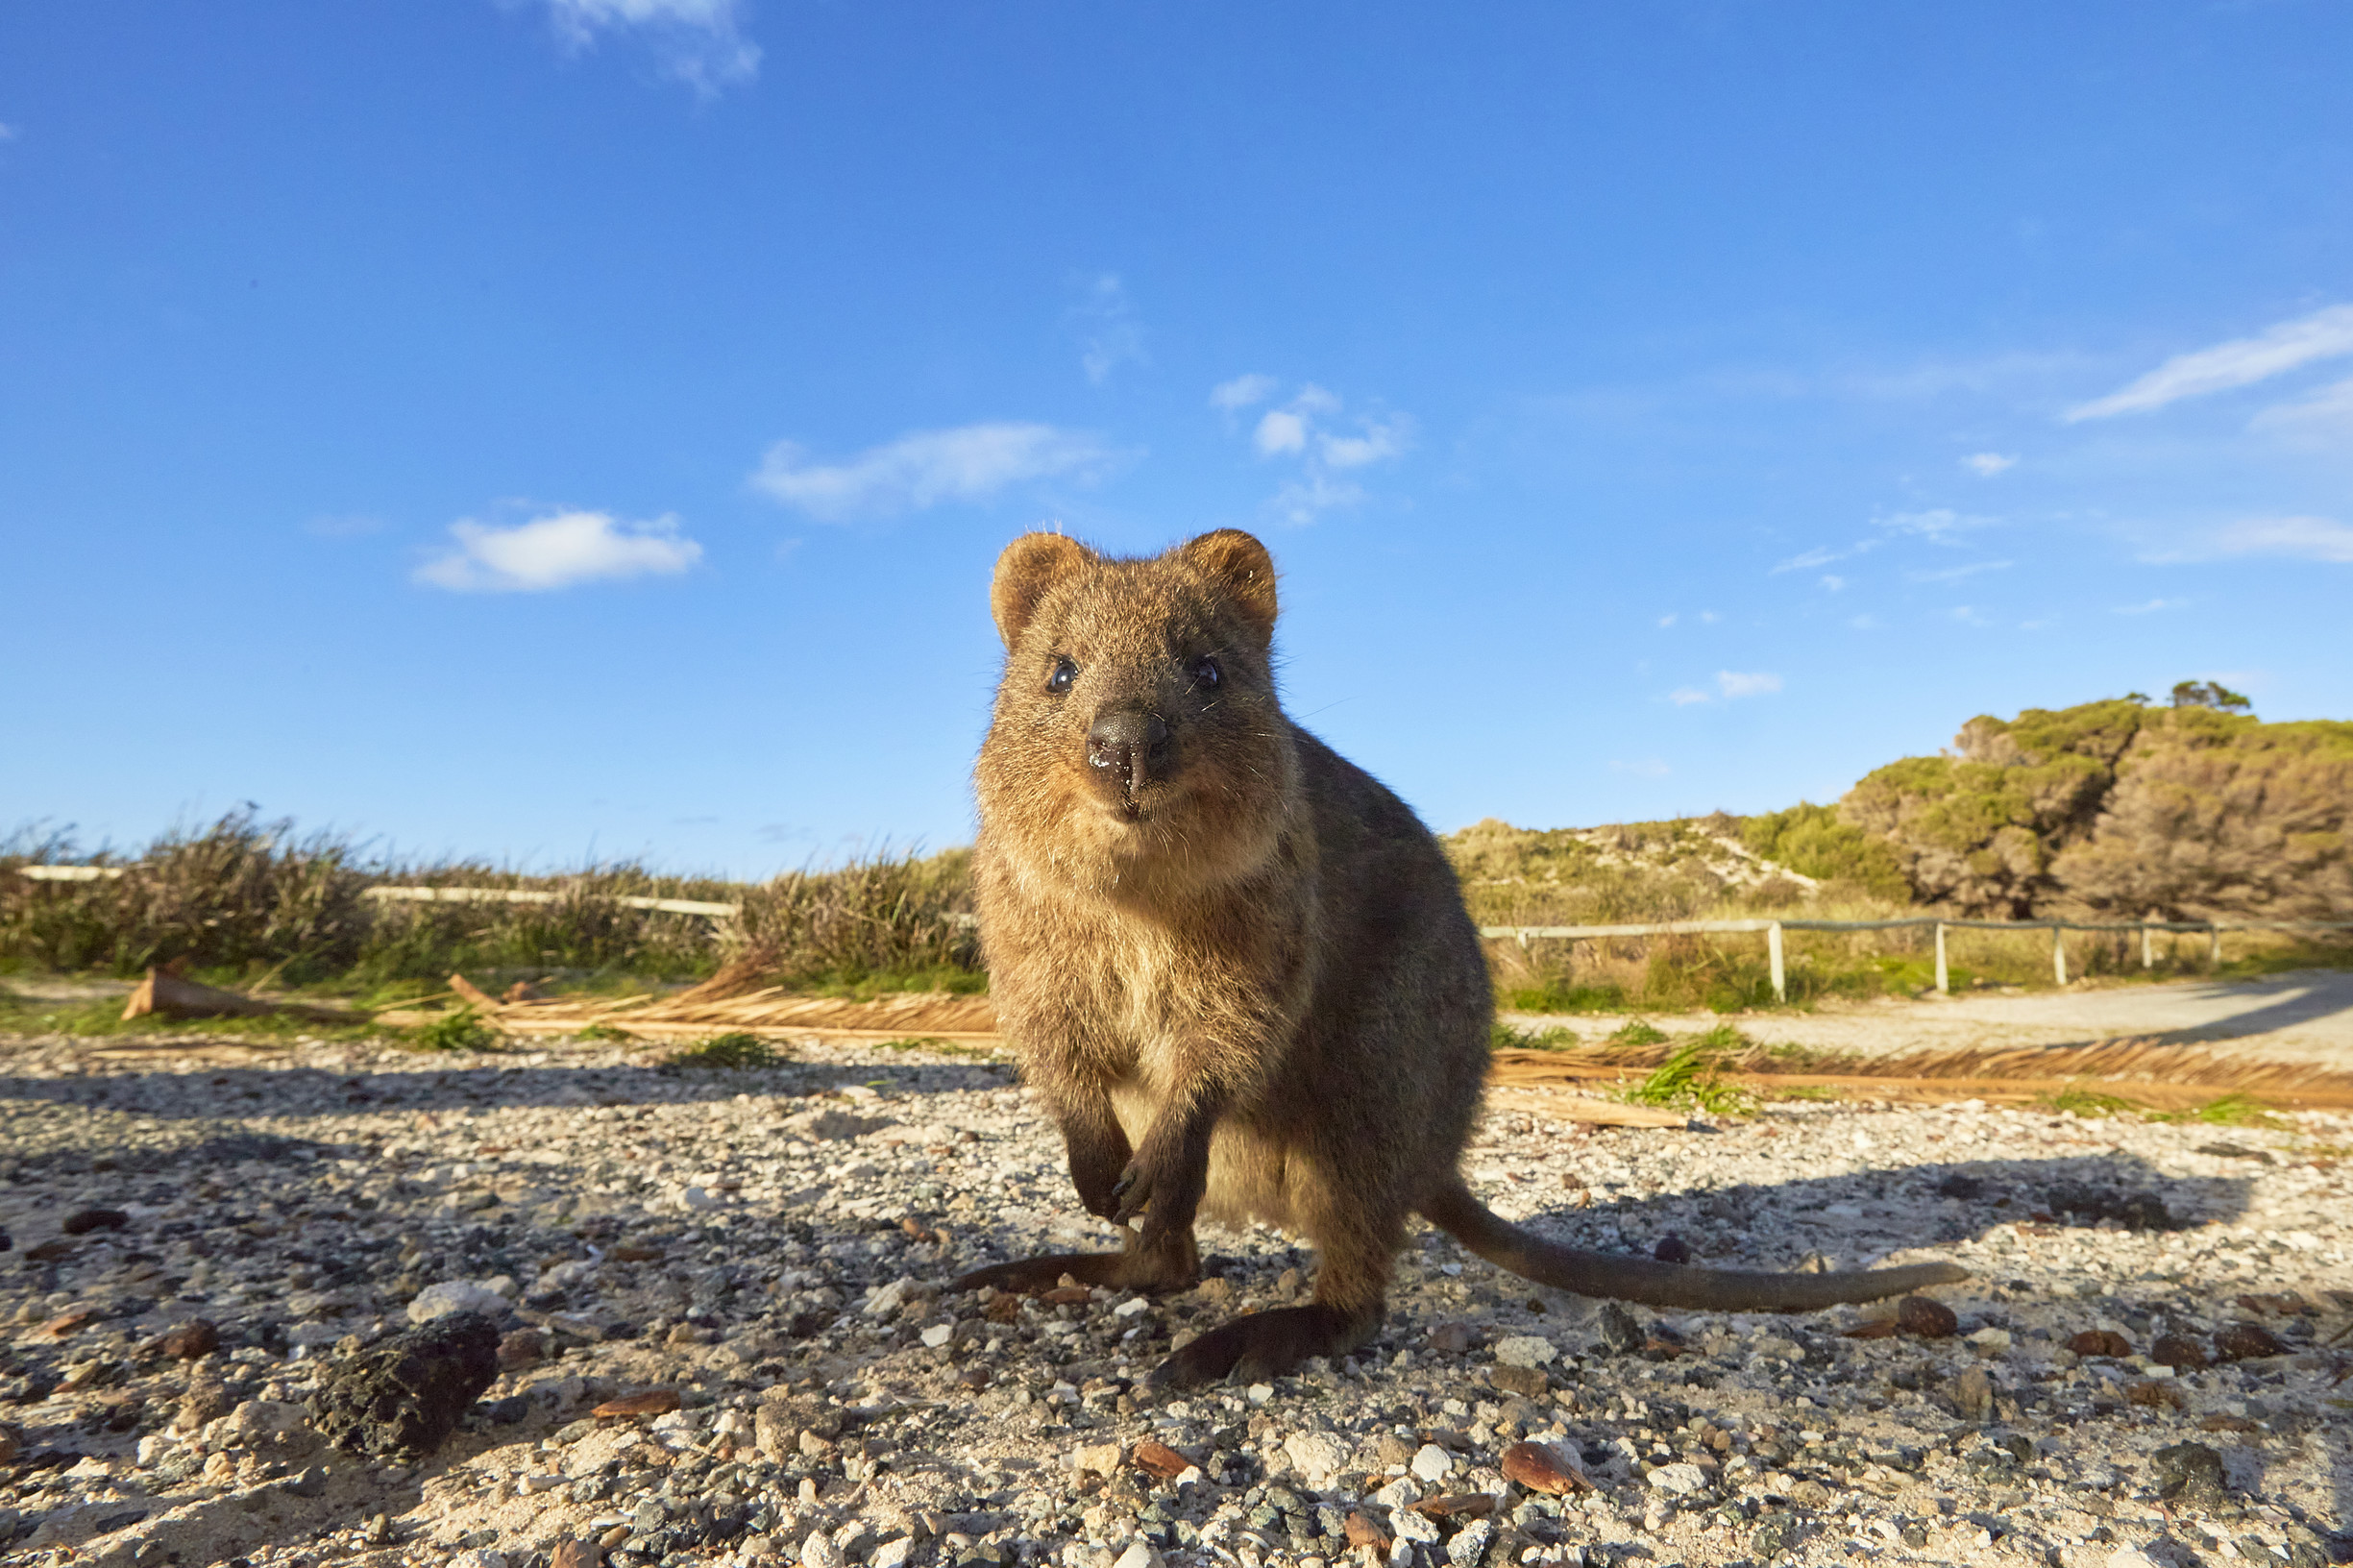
point(2100, 1342)
point(312, 1482)
point(1166, 1462)
point(1672, 1249)
point(1526, 1382)
point(10, 1445)
point(1620, 1331)
point(1539, 1469)
point(2190, 1472)
point(1410, 1526)
point(569, 1553)
point(1430, 1463)
point(1453, 1339)
point(1139, 1554)
point(892, 1554)
point(1524, 1350)
point(820, 1552)
point(273, 1424)
point(1469, 1547)
point(524, 1347)
point(1100, 1459)
point(2157, 1392)
point(189, 1341)
point(1990, 1341)
point(1925, 1317)
point(1682, 1478)
point(1972, 1391)
point(652, 1401)
point(1361, 1530)
point(54, 1250)
point(2179, 1352)
point(402, 1398)
point(1317, 1456)
point(83, 1221)
point(2245, 1341)
point(939, 1333)
point(1959, 1186)
point(455, 1296)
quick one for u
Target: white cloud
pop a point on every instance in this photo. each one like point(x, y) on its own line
point(1647, 767)
point(1242, 392)
point(2327, 414)
point(1939, 523)
point(1833, 583)
point(1113, 337)
point(1734, 684)
point(2300, 538)
point(1381, 440)
point(2323, 334)
point(1684, 696)
point(1666, 621)
point(1987, 464)
point(1708, 618)
point(971, 462)
point(1280, 430)
point(701, 42)
point(1968, 616)
point(559, 550)
point(1819, 555)
point(1954, 573)
point(2151, 607)
point(1302, 501)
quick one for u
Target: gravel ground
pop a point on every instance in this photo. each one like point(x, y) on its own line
point(764, 1251)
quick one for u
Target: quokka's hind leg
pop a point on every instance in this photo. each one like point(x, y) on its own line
point(1170, 1263)
point(1351, 1289)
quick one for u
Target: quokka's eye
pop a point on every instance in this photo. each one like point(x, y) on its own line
point(1064, 673)
point(1206, 673)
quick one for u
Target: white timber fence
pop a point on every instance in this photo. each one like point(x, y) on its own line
point(427, 895)
point(1772, 929)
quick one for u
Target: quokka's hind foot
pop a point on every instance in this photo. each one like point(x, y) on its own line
point(1170, 1263)
point(1265, 1345)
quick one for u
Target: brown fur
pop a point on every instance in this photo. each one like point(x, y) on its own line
point(1238, 968)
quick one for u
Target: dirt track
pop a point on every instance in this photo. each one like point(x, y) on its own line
point(2303, 1016)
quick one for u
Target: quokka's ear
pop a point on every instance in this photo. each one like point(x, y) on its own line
point(1031, 565)
point(1241, 566)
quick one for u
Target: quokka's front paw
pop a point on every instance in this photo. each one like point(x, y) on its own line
point(1164, 1183)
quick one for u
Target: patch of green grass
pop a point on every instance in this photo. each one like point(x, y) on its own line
point(1560, 996)
point(2086, 1101)
point(1637, 1032)
point(1504, 1038)
point(729, 1052)
point(1807, 1092)
point(460, 1031)
point(2232, 1109)
point(855, 983)
point(1693, 1074)
point(605, 1032)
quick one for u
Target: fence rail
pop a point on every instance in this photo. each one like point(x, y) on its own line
point(426, 896)
point(1772, 929)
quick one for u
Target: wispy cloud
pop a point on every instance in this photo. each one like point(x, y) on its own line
point(1819, 555)
point(1666, 621)
point(2327, 414)
point(2151, 607)
point(968, 463)
point(2242, 362)
point(559, 550)
point(1987, 464)
point(1735, 685)
point(1242, 392)
point(1968, 615)
point(700, 42)
point(1731, 685)
point(2299, 538)
point(1833, 583)
point(1111, 335)
point(1303, 428)
point(1938, 524)
point(1954, 573)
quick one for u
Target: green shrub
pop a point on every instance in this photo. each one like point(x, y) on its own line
point(460, 1031)
point(728, 1052)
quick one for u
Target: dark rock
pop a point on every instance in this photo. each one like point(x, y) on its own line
point(402, 1397)
point(2190, 1473)
point(186, 1341)
point(524, 1347)
point(1957, 1185)
point(312, 1482)
point(1926, 1318)
point(2134, 1210)
point(1526, 1382)
point(2100, 1342)
point(1620, 1331)
point(505, 1412)
point(1672, 1249)
point(1972, 1393)
point(2244, 1341)
point(53, 1250)
point(2179, 1352)
point(83, 1221)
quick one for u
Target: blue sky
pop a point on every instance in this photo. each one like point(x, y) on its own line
point(571, 427)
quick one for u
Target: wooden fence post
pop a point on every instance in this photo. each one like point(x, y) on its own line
point(1773, 956)
point(2148, 943)
point(2058, 952)
point(2213, 946)
point(1943, 980)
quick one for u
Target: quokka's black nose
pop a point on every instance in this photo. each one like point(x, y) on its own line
point(1132, 746)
